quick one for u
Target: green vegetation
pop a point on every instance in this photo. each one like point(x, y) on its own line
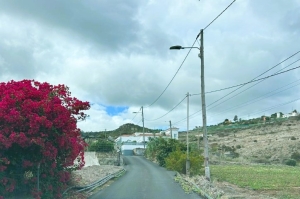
point(176, 161)
point(102, 146)
point(170, 153)
point(124, 129)
point(159, 148)
point(261, 178)
point(291, 162)
point(295, 156)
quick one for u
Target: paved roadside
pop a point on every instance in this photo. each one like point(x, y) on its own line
point(144, 180)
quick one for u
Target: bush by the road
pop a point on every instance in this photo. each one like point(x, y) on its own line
point(101, 146)
point(176, 161)
point(171, 153)
point(38, 135)
point(159, 148)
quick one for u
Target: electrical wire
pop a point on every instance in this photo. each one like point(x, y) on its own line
point(269, 94)
point(188, 54)
point(219, 15)
point(174, 75)
point(277, 72)
point(235, 86)
point(276, 106)
point(168, 111)
point(252, 81)
point(134, 116)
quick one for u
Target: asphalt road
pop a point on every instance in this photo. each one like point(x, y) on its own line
point(144, 180)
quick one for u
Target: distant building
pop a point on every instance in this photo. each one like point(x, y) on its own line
point(292, 114)
point(167, 133)
point(134, 142)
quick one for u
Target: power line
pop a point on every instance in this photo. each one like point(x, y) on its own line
point(173, 76)
point(134, 116)
point(271, 93)
point(253, 80)
point(246, 88)
point(242, 103)
point(219, 14)
point(168, 111)
point(276, 106)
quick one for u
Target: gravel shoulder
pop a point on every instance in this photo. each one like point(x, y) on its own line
point(88, 175)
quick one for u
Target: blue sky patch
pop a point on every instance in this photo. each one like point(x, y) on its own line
point(115, 110)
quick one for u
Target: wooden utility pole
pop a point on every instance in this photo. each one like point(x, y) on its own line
point(205, 140)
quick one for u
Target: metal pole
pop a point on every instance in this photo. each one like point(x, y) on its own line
point(206, 157)
point(143, 126)
point(38, 177)
point(187, 139)
point(171, 129)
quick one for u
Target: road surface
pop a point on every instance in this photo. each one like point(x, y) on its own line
point(144, 180)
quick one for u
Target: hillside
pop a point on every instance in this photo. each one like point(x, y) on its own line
point(269, 143)
point(128, 128)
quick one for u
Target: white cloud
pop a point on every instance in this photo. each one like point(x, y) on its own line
point(117, 54)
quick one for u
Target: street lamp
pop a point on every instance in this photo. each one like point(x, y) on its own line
point(143, 124)
point(201, 55)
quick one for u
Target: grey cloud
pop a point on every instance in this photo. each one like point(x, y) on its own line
point(17, 61)
point(109, 24)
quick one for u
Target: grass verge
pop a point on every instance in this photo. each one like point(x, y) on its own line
point(274, 180)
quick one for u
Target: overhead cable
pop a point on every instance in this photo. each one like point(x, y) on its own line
point(235, 86)
point(245, 89)
point(173, 76)
point(219, 14)
point(253, 80)
point(168, 111)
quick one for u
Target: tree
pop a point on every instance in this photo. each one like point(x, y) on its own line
point(226, 121)
point(38, 133)
point(235, 118)
point(102, 146)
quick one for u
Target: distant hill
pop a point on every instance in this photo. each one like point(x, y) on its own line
point(128, 128)
point(273, 142)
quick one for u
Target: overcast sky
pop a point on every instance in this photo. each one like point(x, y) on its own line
point(115, 54)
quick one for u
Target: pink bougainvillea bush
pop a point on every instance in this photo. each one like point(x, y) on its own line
point(39, 139)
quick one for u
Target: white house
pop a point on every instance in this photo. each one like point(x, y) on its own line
point(129, 143)
point(294, 113)
point(172, 132)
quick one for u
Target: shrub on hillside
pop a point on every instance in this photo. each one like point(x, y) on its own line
point(176, 161)
point(291, 162)
point(38, 133)
point(295, 156)
point(102, 146)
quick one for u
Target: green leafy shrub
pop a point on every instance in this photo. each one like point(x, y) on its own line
point(176, 161)
point(291, 162)
point(295, 156)
point(159, 148)
point(102, 146)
